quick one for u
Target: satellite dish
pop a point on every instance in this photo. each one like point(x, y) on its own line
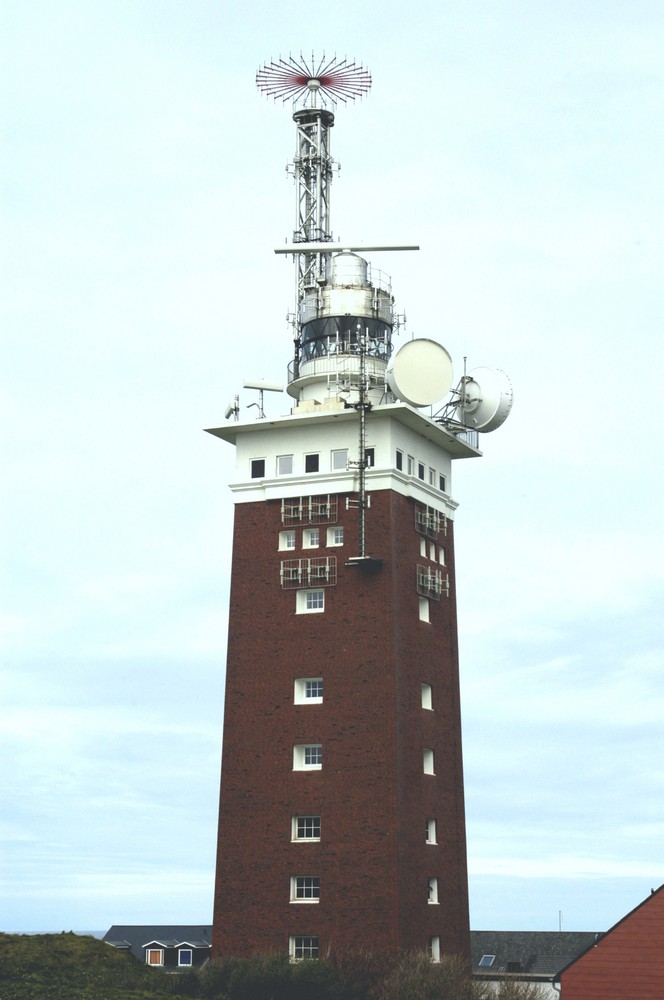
point(420, 372)
point(485, 399)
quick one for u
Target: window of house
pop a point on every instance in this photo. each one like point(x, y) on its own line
point(441, 556)
point(154, 956)
point(309, 601)
point(335, 536)
point(306, 828)
point(427, 761)
point(185, 956)
point(424, 609)
point(423, 547)
point(433, 890)
point(284, 465)
point(286, 540)
point(487, 961)
point(410, 465)
point(442, 484)
point(432, 477)
point(307, 757)
point(434, 948)
point(430, 828)
point(432, 551)
point(370, 457)
point(302, 946)
point(258, 468)
point(311, 538)
point(311, 463)
point(427, 700)
point(305, 889)
point(308, 690)
point(340, 459)
point(399, 460)
point(420, 470)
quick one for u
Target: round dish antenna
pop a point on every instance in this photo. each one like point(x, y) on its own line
point(305, 81)
point(485, 399)
point(420, 372)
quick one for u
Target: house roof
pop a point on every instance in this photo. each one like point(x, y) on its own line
point(137, 937)
point(536, 954)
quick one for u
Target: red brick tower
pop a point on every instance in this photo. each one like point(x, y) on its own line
point(341, 818)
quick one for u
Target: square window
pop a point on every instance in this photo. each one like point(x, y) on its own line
point(442, 484)
point(308, 757)
point(286, 540)
point(335, 536)
point(308, 690)
point(309, 602)
point(399, 460)
point(305, 888)
point(433, 890)
point(284, 465)
point(185, 956)
point(427, 700)
point(306, 828)
point(424, 609)
point(428, 762)
point(154, 956)
point(420, 470)
point(410, 465)
point(340, 459)
point(311, 463)
point(431, 831)
point(311, 538)
point(301, 947)
point(258, 468)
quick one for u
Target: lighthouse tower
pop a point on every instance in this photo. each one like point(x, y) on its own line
point(341, 821)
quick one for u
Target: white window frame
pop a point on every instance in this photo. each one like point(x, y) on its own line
point(185, 951)
point(312, 454)
point(333, 536)
point(423, 547)
point(285, 539)
point(427, 697)
point(339, 460)
point(431, 832)
point(442, 483)
point(432, 476)
point(434, 948)
point(305, 598)
point(424, 609)
point(306, 821)
point(302, 884)
point(300, 753)
point(433, 891)
point(306, 943)
point(398, 460)
point(154, 951)
point(311, 538)
point(253, 462)
point(284, 465)
point(410, 465)
point(300, 696)
point(441, 556)
point(428, 761)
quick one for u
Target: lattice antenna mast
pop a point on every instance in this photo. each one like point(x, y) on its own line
point(313, 86)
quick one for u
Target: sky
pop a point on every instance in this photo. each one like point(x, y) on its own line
point(143, 191)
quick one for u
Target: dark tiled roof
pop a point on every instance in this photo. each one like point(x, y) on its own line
point(534, 953)
point(136, 936)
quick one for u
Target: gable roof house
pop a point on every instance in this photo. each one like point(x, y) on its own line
point(526, 956)
point(170, 947)
point(626, 963)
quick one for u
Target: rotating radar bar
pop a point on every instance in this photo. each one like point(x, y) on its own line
point(296, 79)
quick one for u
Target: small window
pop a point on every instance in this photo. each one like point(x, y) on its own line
point(335, 536)
point(420, 470)
point(487, 961)
point(442, 484)
point(513, 968)
point(431, 831)
point(369, 457)
point(309, 601)
point(423, 547)
point(433, 890)
point(434, 948)
point(306, 828)
point(441, 556)
point(284, 465)
point(308, 690)
point(305, 889)
point(427, 701)
point(410, 465)
point(301, 947)
point(307, 757)
point(432, 551)
point(424, 609)
point(399, 460)
point(432, 477)
point(311, 463)
point(311, 538)
point(286, 540)
point(340, 459)
point(258, 468)
point(185, 956)
point(154, 956)
point(427, 762)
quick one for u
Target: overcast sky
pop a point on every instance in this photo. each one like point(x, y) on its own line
point(520, 143)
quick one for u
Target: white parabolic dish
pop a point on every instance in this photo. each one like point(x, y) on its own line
point(487, 399)
point(420, 373)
